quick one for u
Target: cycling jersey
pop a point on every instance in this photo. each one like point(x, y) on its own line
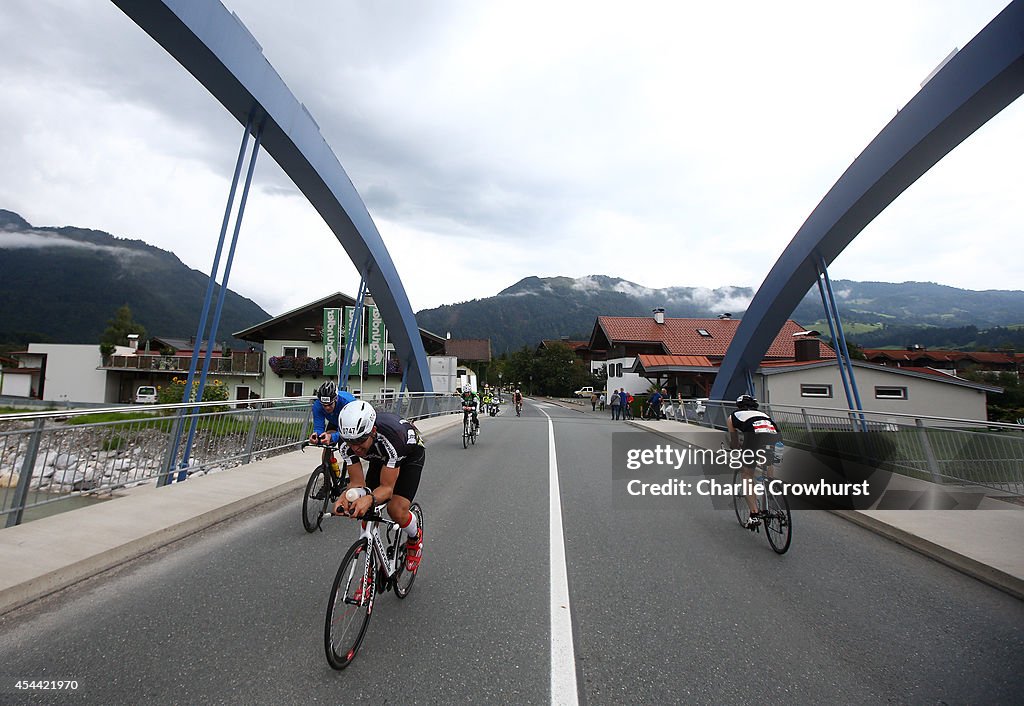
point(323, 421)
point(757, 428)
point(396, 439)
point(398, 445)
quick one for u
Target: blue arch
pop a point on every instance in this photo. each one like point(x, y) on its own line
point(216, 48)
point(981, 80)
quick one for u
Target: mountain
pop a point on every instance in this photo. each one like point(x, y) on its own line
point(537, 308)
point(62, 285)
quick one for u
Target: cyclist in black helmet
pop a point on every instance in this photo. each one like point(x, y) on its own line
point(326, 408)
point(759, 433)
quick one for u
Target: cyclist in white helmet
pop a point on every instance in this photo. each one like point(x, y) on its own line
point(395, 453)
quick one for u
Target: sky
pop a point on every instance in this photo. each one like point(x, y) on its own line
point(666, 143)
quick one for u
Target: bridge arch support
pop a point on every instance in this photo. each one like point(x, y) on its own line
point(213, 45)
point(978, 82)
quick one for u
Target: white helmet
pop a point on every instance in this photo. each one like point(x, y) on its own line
point(356, 420)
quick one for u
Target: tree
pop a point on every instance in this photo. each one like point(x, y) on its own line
point(118, 328)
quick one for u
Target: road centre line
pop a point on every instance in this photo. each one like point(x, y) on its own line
point(563, 655)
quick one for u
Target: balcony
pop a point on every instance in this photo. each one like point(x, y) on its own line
point(297, 365)
point(241, 363)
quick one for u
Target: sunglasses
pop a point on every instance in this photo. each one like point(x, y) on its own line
point(360, 441)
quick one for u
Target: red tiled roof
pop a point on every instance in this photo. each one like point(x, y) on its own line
point(676, 361)
point(680, 336)
point(575, 345)
point(939, 356)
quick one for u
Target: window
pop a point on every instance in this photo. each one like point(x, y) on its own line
point(242, 392)
point(618, 370)
point(890, 393)
point(808, 390)
point(293, 388)
point(704, 332)
point(296, 351)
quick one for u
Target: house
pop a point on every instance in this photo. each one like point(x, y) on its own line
point(293, 344)
point(159, 359)
point(798, 369)
point(956, 361)
point(683, 355)
point(473, 356)
point(62, 373)
point(904, 390)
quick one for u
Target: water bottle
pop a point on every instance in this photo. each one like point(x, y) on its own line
point(335, 469)
point(779, 450)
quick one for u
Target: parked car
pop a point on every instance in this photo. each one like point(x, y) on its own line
point(584, 392)
point(146, 394)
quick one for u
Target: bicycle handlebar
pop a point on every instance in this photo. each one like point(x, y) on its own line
point(372, 515)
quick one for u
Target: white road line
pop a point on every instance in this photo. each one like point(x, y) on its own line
point(563, 655)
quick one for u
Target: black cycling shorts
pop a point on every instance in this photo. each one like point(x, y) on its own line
point(409, 471)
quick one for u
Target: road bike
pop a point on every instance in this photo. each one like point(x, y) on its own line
point(519, 409)
point(375, 563)
point(772, 507)
point(469, 430)
point(324, 486)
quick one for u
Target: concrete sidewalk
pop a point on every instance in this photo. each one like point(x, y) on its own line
point(987, 543)
point(43, 556)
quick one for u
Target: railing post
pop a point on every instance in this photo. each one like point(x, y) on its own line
point(21, 492)
point(252, 433)
point(809, 428)
point(929, 454)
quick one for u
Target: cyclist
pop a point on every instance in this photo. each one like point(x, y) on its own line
point(326, 408)
point(759, 433)
point(470, 399)
point(517, 399)
point(395, 452)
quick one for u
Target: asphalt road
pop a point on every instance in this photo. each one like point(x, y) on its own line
point(671, 602)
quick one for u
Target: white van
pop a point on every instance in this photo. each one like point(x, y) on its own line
point(146, 394)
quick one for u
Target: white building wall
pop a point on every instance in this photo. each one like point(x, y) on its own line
point(634, 383)
point(72, 373)
point(925, 397)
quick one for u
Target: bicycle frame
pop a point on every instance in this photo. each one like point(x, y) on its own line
point(371, 533)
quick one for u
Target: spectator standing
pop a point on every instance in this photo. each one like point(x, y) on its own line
point(593, 401)
point(616, 403)
point(600, 401)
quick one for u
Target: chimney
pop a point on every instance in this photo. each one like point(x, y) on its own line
point(807, 349)
point(806, 346)
point(659, 315)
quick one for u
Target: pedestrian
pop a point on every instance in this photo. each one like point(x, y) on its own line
point(600, 402)
point(616, 403)
point(624, 403)
point(593, 401)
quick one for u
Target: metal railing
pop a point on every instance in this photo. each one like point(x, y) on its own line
point(937, 449)
point(47, 457)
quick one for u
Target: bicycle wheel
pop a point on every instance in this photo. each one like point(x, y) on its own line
point(404, 579)
point(314, 502)
point(465, 435)
point(350, 606)
point(739, 502)
point(778, 523)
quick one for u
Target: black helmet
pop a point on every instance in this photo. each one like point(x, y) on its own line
point(746, 402)
point(328, 393)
